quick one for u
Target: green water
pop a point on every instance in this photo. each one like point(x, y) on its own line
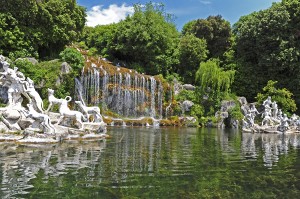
point(155, 163)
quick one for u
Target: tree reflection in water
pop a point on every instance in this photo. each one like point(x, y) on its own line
point(155, 163)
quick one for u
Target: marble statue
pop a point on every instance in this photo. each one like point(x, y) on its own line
point(274, 109)
point(93, 110)
point(41, 121)
point(267, 102)
point(284, 123)
point(53, 100)
point(28, 87)
point(267, 118)
point(65, 112)
point(293, 120)
point(273, 119)
point(32, 120)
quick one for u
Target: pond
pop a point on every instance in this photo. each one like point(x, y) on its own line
point(155, 163)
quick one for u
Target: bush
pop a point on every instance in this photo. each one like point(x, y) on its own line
point(236, 113)
point(283, 97)
point(197, 111)
point(73, 57)
point(186, 95)
point(45, 75)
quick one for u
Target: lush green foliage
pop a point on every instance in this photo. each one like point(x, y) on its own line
point(211, 76)
point(186, 95)
point(146, 38)
point(214, 84)
point(268, 47)
point(100, 38)
point(192, 51)
point(283, 97)
point(215, 30)
point(145, 41)
point(45, 75)
point(39, 26)
point(74, 58)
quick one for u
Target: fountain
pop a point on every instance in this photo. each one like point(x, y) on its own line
point(31, 123)
point(273, 120)
point(123, 91)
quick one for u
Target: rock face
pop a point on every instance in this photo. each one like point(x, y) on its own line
point(223, 114)
point(186, 106)
point(30, 59)
point(189, 87)
point(65, 68)
point(226, 105)
point(179, 87)
point(242, 100)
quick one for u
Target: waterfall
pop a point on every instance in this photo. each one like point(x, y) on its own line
point(121, 90)
point(79, 90)
point(152, 90)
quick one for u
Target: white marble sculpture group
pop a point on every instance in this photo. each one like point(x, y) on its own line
point(272, 119)
point(16, 116)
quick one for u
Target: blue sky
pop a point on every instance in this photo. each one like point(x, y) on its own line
point(109, 11)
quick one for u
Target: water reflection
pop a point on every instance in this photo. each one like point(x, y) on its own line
point(20, 163)
point(273, 145)
point(144, 162)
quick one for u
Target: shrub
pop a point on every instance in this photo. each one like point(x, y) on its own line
point(73, 57)
point(283, 97)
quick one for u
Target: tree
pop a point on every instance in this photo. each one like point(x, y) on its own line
point(11, 37)
point(283, 97)
point(215, 30)
point(147, 38)
point(211, 75)
point(100, 37)
point(47, 25)
point(214, 84)
point(192, 51)
point(267, 47)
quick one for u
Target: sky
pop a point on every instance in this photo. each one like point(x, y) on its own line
point(101, 12)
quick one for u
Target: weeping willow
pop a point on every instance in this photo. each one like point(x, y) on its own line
point(211, 75)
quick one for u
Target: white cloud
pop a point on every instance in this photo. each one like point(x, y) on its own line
point(205, 2)
point(113, 14)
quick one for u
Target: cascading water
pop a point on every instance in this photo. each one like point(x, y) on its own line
point(122, 91)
